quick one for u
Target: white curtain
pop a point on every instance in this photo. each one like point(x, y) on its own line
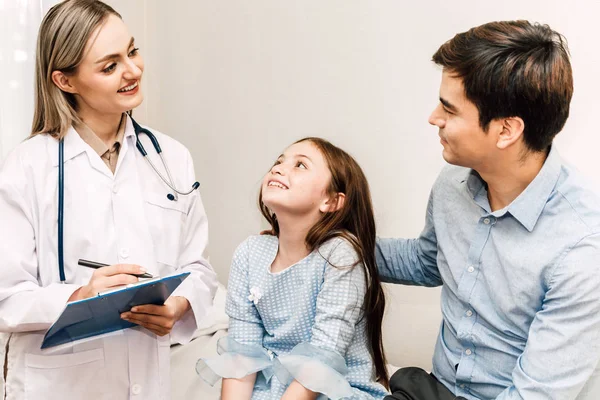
point(19, 22)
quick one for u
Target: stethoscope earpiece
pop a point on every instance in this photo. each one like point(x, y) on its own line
point(171, 197)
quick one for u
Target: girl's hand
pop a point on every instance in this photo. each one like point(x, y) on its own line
point(158, 319)
point(107, 278)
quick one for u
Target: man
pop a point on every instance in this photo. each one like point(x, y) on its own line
point(512, 232)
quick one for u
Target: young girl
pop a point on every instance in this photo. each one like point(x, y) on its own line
point(305, 302)
point(117, 210)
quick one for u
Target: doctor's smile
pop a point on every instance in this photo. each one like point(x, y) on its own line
point(130, 89)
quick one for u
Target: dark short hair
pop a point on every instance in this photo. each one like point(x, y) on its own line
point(514, 69)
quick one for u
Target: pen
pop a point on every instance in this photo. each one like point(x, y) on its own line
point(96, 265)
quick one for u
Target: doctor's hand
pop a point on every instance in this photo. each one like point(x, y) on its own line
point(106, 278)
point(159, 319)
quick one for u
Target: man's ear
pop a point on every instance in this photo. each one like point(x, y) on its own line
point(334, 203)
point(62, 82)
point(512, 131)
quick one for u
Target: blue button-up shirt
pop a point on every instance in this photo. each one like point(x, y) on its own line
point(521, 285)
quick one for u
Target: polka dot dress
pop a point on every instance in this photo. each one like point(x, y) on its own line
point(309, 314)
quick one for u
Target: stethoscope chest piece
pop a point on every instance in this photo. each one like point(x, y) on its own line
point(168, 180)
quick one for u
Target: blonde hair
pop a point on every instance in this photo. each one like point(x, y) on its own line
point(61, 41)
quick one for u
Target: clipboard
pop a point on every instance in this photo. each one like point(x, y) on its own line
point(101, 314)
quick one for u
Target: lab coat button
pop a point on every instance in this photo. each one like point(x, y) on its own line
point(124, 253)
point(136, 389)
point(115, 189)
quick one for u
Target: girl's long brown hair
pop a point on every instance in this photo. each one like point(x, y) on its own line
point(354, 222)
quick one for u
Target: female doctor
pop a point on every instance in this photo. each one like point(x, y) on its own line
point(117, 210)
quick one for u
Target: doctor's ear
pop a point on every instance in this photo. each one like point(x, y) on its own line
point(512, 131)
point(62, 82)
point(334, 203)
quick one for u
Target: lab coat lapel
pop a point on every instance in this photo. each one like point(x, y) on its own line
point(128, 143)
point(74, 146)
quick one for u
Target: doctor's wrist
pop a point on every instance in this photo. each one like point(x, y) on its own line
point(182, 305)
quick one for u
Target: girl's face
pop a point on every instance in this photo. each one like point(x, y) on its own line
point(298, 182)
point(108, 79)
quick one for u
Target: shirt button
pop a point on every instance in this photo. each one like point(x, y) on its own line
point(136, 389)
point(469, 313)
point(486, 221)
point(124, 253)
point(115, 189)
point(468, 352)
point(471, 268)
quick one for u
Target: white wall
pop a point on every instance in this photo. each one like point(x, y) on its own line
point(19, 21)
point(237, 81)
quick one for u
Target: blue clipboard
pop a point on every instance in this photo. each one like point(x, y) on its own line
point(102, 314)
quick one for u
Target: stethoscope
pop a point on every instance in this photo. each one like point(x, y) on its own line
point(138, 144)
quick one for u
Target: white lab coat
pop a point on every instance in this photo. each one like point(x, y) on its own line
point(120, 218)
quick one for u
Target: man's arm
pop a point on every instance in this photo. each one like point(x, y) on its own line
point(563, 347)
point(410, 261)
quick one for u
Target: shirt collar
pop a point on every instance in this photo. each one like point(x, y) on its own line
point(128, 130)
point(90, 137)
point(75, 145)
point(528, 206)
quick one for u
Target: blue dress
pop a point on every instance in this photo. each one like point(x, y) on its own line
point(304, 323)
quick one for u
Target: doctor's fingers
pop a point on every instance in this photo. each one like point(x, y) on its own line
point(117, 269)
point(157, 330)
point(154, 323)
point(101, 283)
point(154, 328)
point(164, 310)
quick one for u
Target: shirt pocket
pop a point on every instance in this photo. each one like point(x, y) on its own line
point(167, 220)
point(67, 376)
